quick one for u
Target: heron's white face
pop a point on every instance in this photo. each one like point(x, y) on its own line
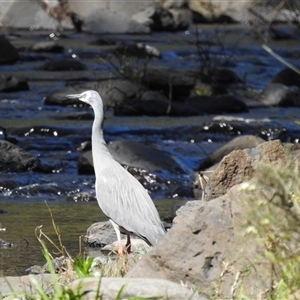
point(91, 97)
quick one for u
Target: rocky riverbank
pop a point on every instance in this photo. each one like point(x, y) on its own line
point(199, 152)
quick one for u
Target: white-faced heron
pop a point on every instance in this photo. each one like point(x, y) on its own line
point(120, 195)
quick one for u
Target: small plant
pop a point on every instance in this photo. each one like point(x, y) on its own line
point(83, 266)
point(274, 220)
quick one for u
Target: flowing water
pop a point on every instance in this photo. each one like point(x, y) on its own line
point(46, 132)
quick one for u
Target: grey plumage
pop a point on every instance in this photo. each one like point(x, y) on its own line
point(120, 195)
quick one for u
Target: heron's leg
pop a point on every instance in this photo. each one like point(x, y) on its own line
point(128, 244)
point(118, 233)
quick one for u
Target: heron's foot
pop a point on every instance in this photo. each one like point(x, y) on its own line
point(124, 251)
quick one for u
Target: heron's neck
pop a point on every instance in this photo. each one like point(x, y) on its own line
point(99, 148)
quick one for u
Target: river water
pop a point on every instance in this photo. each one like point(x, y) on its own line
point(45, 131)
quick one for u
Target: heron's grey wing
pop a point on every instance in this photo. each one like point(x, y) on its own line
point(123, 199)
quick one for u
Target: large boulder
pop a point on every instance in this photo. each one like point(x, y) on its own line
point(133, 154)
point(138, 155)
point(237, 11)
point(208, 250)
point(107, 21)
point(127, 8)
point(29, 14)
point(240, 166)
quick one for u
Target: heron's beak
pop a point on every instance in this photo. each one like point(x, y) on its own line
point(73, 96)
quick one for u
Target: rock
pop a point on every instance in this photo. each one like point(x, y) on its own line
point(77, 21)
point(47, 46)
point(183, 18)
point(275, 133)
point(59, 98)
point(8, 53)
point(4, 244)
point(107, 21)
point(287, 77)
point(156, 17)
point(26, 284)
point(277, 94)
point(234, 168)
point(208, 245)
point(138, 155)
point(128, 8)
point(10, 83)
point(216, 104)
point(113, 92)
point(14, 14)
point(175, 84)
point(240, 166)
point(129, 288)
point(139, 50)
point(15, 159)
point(217, 11)
point(175, 4)
point(138, 246)
point(219, 76)
point(238, 143)
point(133, 154)
point(63, 65)
point(100, 234)
point(186, 209)
point(85, 164)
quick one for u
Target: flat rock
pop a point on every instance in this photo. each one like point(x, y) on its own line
point(129, 288)
point(11, 285)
